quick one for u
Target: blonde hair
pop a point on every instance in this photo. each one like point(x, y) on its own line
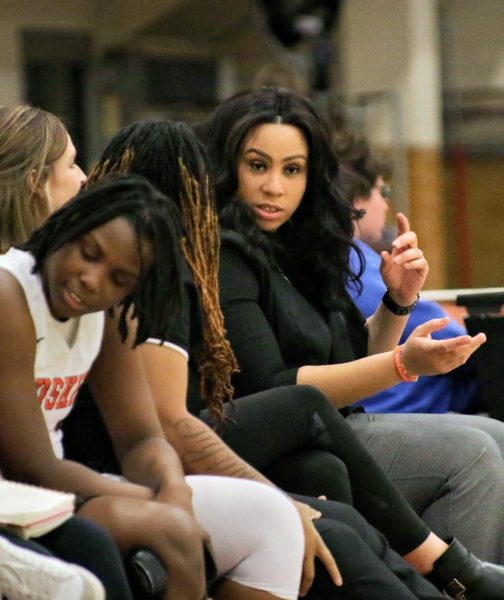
point(31, 140)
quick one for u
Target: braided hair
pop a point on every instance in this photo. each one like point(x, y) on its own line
point(157, 297)
point(171, 157)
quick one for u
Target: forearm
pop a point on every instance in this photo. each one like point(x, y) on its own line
point(155, 464)
point(204, 453)
point(350, 382)
point(384, 330)
point(69, 476)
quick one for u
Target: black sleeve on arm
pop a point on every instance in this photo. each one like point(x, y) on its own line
point(186, 331)
point(249, 332)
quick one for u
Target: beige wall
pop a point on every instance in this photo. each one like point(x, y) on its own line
point(380, 53)
point(15, 15)
point(474, 43)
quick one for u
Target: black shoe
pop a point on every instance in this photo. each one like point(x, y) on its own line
point(459, 574)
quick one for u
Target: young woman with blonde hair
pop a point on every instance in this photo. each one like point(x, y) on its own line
point(38, 172)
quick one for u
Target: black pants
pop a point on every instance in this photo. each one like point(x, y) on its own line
point(303, 444)
point(84, 543)
point(369, 568)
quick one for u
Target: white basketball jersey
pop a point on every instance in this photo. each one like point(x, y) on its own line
point(65, 350)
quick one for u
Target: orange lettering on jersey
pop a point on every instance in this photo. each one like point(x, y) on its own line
point(57, 385)
point(70, 381)
point(57, 393)
point(42, 385)
point(80, 381)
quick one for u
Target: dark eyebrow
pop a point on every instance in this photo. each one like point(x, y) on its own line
point(265, 155)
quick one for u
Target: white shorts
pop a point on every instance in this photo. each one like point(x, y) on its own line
point(255, 531)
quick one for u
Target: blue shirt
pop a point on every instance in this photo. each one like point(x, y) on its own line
point(455, 391)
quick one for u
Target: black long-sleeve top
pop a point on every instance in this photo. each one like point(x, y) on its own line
point(273, 329)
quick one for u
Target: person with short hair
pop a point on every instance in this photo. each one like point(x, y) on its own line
point(363, 175)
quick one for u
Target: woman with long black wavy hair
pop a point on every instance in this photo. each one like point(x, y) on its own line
point(287, 232)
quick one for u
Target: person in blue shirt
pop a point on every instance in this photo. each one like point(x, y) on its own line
point(362, 177)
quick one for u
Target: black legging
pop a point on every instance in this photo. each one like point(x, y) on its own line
point(84, 543)
point(278, 431)
point(369, 568)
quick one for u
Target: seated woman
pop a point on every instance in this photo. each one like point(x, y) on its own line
point(114, 248)
point(38, 173)
point(172, 159)
point(361, 177)
point(284, 265)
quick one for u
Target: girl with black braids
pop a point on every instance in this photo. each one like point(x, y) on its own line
point(169, 155)
point(114, 247)
point(38, 174)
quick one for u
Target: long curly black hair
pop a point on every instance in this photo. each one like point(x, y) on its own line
point(313, 247)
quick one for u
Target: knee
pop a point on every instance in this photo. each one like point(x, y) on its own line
point(177, 530)
point(493, 427)
point(343, 513)
point(330, 466)
point(479, 454)
point(321, 473)
point(309, 397)
point(479, 444)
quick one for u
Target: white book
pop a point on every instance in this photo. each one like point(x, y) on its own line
point(32, 511)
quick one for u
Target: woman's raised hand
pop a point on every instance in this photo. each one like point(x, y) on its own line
point(422, 355)
point(405, 269)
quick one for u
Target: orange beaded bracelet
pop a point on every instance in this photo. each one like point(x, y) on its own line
point(400, 368)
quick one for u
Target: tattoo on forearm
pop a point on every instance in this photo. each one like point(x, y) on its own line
point(207, 453)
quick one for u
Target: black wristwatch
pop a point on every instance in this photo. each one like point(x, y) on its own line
point(395, 308)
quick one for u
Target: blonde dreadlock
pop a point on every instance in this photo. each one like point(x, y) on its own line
point(201, 251)
point(144, 148)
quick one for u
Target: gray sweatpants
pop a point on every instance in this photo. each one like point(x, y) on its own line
point(451, 469)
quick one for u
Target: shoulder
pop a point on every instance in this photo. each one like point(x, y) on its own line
point(17, 330)
point(19, 263)
point(236, 249)
point(242, 271)
point(232, 240)
point(11, 290)
point(16, 277)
